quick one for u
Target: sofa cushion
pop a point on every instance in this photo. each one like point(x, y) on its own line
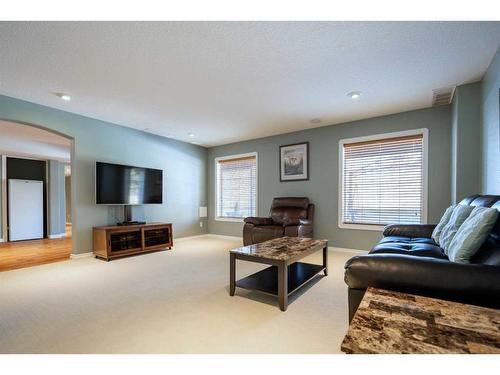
point(472, 234)
point(436, 233)
point(407, 240)
point(423, 247)
point(458, 216)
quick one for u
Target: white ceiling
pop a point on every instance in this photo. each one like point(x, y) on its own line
point(28, 141)
point(232, 81)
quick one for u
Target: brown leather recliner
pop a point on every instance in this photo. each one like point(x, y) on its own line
point(292, 217)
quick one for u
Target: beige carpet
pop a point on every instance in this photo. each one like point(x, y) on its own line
point(166, 302)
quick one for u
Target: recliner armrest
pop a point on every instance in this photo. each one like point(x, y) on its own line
point(433, 277)
point(296, 221)
point(409, 230)
point(259, 220)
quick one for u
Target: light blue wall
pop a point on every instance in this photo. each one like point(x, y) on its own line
point(466, 142)
point(490, 128)
point(322, 188)
point(184, 167)
point(57, 211)
point(454, 136)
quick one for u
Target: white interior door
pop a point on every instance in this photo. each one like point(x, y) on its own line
point(25, 209)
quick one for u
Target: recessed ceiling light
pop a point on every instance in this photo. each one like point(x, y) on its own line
point(64, 97)
point(315, 120)
point(191, 135)
point(354, 94)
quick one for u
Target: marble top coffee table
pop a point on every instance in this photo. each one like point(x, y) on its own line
point(394, 323)
point(285, 274)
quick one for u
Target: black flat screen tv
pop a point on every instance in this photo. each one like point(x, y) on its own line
point(127, 185)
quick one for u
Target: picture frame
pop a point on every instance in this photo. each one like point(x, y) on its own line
point(294, 162)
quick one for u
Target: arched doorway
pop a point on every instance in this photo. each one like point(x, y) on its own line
point(35, 195)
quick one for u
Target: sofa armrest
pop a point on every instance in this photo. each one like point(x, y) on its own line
point(439, 278)
point(259, 220)
point(409, 230)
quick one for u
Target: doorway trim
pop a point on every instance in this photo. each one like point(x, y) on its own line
point(3, 234)
point(3, 199)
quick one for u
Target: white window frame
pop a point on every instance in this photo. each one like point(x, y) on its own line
point(217, 187)
point(379, 137)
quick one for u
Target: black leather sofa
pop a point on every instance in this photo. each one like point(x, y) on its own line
point(408, 260)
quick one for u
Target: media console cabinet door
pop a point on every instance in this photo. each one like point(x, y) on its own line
point(156, 237)
point(100, 243)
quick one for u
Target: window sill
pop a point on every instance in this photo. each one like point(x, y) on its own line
point(230, 219)
point(373, 228)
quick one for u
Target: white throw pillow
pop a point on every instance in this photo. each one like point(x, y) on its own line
point(458, 216)
point(472, 234)
point(436, 233)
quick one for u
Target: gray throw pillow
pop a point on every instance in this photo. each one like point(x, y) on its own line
point(436, 233)
point(472, 234)
point(458, 216)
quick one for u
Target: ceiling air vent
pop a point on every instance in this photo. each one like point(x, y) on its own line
point(442, 96)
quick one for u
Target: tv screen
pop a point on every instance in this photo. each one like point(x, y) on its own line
point(124, 184)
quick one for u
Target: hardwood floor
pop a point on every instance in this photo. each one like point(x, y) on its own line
point(21, 254)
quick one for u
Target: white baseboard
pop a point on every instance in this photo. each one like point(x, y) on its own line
point(180, 239)
point(83, 255)
point(208, 235)
point(1, 239)
point(224, 237)
point(331, 248)
point(59, 235)
point(346, 250)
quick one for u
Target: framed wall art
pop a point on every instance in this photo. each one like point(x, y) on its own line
point(294, 162)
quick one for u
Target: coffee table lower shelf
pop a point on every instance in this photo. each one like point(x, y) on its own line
point(266, 281)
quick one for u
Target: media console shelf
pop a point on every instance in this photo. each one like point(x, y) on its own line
point(121, 240)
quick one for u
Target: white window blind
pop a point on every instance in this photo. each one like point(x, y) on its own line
point(383, 181)
point(236, 187)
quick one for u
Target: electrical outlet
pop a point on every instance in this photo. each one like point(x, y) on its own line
point(201, 224)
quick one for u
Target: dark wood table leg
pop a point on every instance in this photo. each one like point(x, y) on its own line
point(283, 286)
point(325, 259)
point(232, 273)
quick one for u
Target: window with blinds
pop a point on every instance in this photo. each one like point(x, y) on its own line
point(236, 186)
point(382, 181)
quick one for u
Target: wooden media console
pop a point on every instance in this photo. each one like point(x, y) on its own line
point(120, 240)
